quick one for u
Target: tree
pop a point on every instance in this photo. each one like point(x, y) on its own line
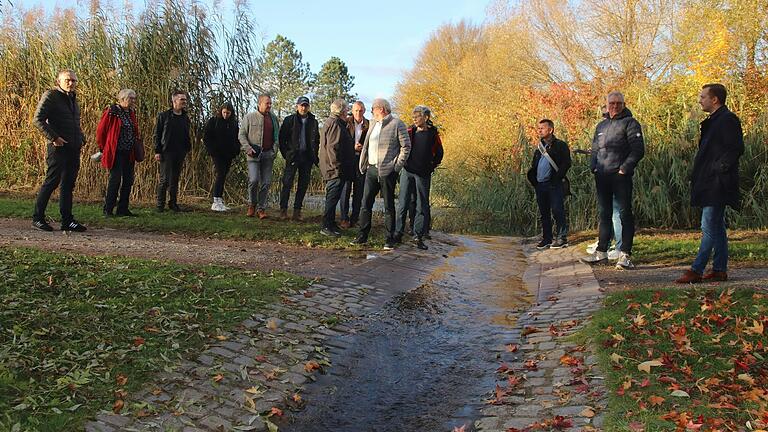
point(281, 72)
point(332, 82)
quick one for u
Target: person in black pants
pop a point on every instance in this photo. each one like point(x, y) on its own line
point(357, 125)
point(117, 136)
point(58, 117)
point(220, 139)
point(551, 162)
point(299, 140)
point(337, 162)
point(172, 143)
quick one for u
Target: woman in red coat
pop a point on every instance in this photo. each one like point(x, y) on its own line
point(118, 138)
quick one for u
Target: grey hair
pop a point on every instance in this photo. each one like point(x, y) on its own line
point(65, 71)
point(338, 106)
point(359, 102)
point(619, 94)
point(382, 103)
point(263, 96)
point(125, 94)
point(424, 110)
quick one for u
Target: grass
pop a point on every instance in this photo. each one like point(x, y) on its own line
point(711, 370)
point(71, 325)
point(201, 221)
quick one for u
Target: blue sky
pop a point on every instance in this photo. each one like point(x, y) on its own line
point(377, 43)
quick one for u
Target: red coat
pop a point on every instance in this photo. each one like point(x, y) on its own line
point(108, 132)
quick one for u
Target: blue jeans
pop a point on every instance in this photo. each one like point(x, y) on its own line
point(413, 184)
point(714, 238)
point(616, 224)
point(332, 195)
point(551, 201)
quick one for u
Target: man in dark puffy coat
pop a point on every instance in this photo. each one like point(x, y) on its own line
point(299, 140)
point(715, 183)
point(337, 163)
point(617, 147)
point(58, 117)
point(548, 174)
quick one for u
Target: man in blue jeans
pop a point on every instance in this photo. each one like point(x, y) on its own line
point(617, 147)
point(715, 183)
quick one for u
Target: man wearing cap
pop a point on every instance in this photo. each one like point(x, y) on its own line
point(299, 142)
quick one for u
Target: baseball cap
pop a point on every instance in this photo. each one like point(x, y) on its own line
point(302, 100)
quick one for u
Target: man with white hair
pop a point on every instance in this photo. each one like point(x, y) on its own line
point(337, 157)
point(617, 147)
point(384, 153)
point(58, 117)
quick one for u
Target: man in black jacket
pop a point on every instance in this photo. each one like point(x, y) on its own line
point(299, 141)
point(715, 183)
point(357, 125)
point(58, 117)
point(337, 162)
point(172, 143)
point(551, 162)
point(617, 147)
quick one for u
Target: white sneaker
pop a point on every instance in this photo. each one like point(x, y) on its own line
point(624, 263)
point(218, 206)
point(595, 258)
point(613, 254)
point(592, 247)
point(224, 206)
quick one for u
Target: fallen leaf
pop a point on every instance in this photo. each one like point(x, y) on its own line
point(512, 347)
point(587, 412)
point(272, 324)
point(616, 358)
point(636, 427)
point(529, 330)
point(260, 358)
point(121, 379)
point(276, 412)
point(747, 378)
point(296, 398)
point(311, 366)
point(138, 341)
point(680, 393)
point(309, 294)
point(118, 406)
point(221, 337)
point(253, 390)
point(646, 366)
point(655, 400)
point(218, 377)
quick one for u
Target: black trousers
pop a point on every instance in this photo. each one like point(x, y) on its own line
point(63, 166)
point(121, 178)
point(170, 171)
point(353, 188)
point(374, 184)
point(221, 165)
point(616, 187)
point(304, 168)
point(332, 195)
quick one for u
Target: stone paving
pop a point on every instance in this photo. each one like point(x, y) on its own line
point(251, 373)
point(545, 381)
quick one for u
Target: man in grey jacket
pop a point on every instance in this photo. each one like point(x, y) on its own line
point(258, 137)
point(617, 147)
point(384, 152)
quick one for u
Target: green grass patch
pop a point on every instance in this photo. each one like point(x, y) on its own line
point(70, 324)
point(707, 352)
point(746, 248)
point(201, 221)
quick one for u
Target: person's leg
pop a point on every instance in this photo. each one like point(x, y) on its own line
point(421, 221)
point(708, 239)
point(622, 190)
point(162, 184)
point(557, 204)
point(113, 184)
point(287, 184)
point(55, 161)
point(616, 219)
point(221, 165)
point(253, 182)
point(358, 185)
point(68, 180)
point(128, 170)
point(177, 163)
point(332, 194)
point(403, 201)
point(369, 198)
point(388, 192)
point(604, 189)
point(265, 173)
point(411, 207)
point(305, 175)
point(346, 193)
point(542, 199)
point(720, 246)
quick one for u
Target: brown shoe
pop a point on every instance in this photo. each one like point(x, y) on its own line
point(715, 276)
point(283, 214)
point(689, 276)
point(297, 215)
point(251, 211)
point(345, 224)
point(261, 214)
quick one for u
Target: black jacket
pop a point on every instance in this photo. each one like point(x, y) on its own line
point(715, 178)
point(289, 137)
point(162, 133)
point(423, 160)
point(617, 144)
point(559, 153)
point(220, 137)
point(337, 150)
point(58, 115)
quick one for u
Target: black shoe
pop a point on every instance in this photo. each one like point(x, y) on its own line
point(42, 226)
point(389, 245)
point(329, 232)
point(126, 213)
point(360, 240)
point(559, 243)
point(544, 244)
point(73, 226)
point(175, 207)
point(419, 243)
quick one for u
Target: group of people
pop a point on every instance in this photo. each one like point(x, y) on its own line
point(358, 158)
point(617, 147)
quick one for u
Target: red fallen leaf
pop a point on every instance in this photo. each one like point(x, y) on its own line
point(655, 400)
point(514, 380)
point(218, 377)
point(500, 392)
point(286, 300)
point(567, 360)
point(531, 365)
point(636, 427)
point(261, 358)
point(512, 347)
point(118, 406)
point(646, 382)
point(276, 412)
point(583, 389)
point(529, 330)
point(121, 380)
point(554, 331)
point(512, 429)
point(309, 294)
point(142, 413)
point(560, 422)
point(311, 366)
point(552, 298)
point(666, 379)
point(620, 391)
point(138, 341)
point(504, 368)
